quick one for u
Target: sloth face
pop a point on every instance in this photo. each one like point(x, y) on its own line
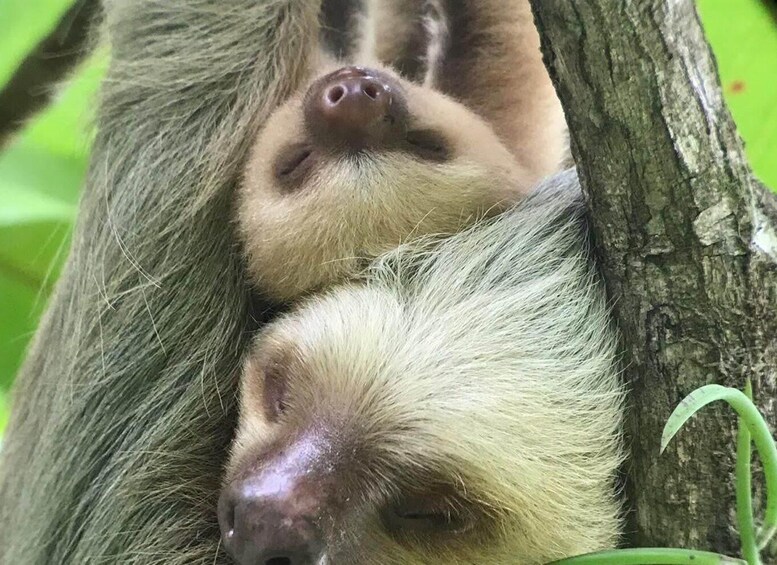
point(371, 434)
point(358, 163)
point(337, 468)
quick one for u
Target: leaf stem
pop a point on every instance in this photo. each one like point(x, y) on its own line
point(744, 493)
point(758, 428)
point(651, 556)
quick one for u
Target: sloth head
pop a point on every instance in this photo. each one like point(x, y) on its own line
point(359, 444)
point(358, 163)
point(413, 421)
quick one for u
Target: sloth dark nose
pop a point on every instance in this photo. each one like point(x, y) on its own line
point(356, 107)
point(260, 528)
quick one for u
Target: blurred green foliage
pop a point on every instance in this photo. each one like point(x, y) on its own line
point(743, 34)
point(42, 169)
point(24, 23)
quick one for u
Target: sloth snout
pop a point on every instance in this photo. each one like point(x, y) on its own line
point(267, 528)
point(356, 107)
point(271, 512)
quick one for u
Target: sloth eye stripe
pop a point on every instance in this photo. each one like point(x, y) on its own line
point(428, 144)
point(292, 164)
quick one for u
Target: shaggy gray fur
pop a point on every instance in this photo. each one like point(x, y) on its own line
point(125, 406)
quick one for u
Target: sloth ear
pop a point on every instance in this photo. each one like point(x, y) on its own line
point(274, 390)
point(264, 376)
point(266, 372)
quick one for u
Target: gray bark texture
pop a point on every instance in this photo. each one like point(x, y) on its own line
point(686, 241)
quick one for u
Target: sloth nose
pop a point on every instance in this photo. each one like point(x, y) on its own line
point(260, 528)
point(356, 107)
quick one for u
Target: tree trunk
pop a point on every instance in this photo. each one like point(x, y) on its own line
point(686, 241)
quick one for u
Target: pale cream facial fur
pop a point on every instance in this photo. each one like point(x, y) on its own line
point(485, 92)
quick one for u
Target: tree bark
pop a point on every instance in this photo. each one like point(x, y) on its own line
point(686, 241)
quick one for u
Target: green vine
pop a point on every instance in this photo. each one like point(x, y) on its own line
point(752, 429)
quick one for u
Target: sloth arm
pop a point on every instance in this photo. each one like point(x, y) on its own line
point(283, 50)
point(492, 63)
point(395, 35)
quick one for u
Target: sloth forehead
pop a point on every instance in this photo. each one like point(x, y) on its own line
point(436, 389)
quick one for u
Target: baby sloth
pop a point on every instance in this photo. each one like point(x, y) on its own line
point(359, 160)
point(460, 406)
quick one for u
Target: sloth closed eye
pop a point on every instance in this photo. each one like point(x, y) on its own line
point(429, 145)
point(425, 514)
point(292, 162)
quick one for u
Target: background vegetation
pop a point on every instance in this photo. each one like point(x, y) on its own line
point(43, 165)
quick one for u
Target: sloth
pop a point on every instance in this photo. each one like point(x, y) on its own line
point(360, 159)
point(450, 403)
point(459, 405)
point(455, 402)
point(485, 397)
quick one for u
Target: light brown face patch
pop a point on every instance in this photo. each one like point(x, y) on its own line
point(432, 385)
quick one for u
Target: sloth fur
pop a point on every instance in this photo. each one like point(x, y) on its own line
point(486, 361)
point(125, 407)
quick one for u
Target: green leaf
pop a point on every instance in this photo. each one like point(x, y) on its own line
point(24, 207)
point(651, 556)
point(4, 414)
point(33, 176)
point(758, 428)
point(35, 252)
point(688, 406)
point(744, 495)
point(743, 35)
point(21, 306)
point(24, 23)
point(41, 175)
